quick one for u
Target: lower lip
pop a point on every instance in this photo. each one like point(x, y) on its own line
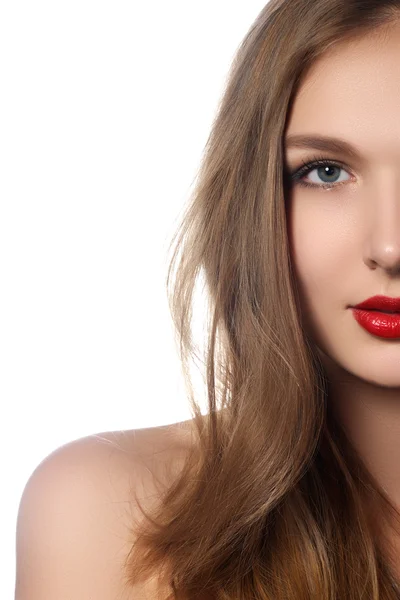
point(383, 325)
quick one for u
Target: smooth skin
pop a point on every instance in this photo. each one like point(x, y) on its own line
point(77, 506)
point(345, 241)
point(346, 248)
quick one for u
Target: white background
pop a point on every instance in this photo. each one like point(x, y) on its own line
point(105, 108)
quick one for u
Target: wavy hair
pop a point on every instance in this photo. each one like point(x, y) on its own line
point(272, 502)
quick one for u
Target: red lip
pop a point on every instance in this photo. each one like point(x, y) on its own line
point(383, 303)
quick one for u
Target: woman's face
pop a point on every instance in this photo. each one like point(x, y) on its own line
point(345, 241)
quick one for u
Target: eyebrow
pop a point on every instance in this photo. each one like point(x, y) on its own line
point(318, 142)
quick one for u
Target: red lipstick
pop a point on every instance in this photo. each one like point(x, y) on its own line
point(379, 315)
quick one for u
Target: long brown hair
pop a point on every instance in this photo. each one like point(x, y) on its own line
point(273, 502)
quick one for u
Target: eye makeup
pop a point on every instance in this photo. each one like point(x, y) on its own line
point(297, 175)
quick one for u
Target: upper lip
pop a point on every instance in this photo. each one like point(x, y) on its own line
point(383, 303)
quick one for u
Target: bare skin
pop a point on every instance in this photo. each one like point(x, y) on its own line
point(346, 240)
point(77, 509)
point(157, 453)
point(346, 248)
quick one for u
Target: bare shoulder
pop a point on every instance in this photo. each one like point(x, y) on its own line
point(74, 514)
point(150, 440)
point(145, 457)
point(153, 452)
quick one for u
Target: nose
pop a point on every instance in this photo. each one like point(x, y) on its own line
point(382, 248)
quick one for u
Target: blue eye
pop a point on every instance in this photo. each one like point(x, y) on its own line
point(318, 164)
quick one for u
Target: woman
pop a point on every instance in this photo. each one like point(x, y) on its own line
point(292, 485)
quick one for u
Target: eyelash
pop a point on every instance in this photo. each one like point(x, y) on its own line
point(310, 166)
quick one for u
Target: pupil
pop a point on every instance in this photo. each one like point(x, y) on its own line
point(327, 171)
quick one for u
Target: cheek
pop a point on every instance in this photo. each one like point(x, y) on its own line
point(306, 241)
point(314, 254)
point(315, 232)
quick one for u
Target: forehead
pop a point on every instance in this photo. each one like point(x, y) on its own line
point(353, 92)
